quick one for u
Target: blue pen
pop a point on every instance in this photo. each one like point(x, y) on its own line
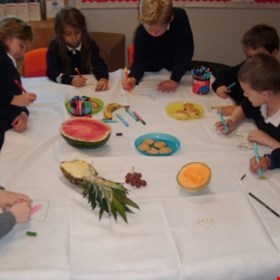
point(219, 112)
point(256, 153)
point(122, 119)
point(108, 121)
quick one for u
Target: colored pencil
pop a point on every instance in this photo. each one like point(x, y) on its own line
point(265, 205)
point(78, 72)
point(19, 85)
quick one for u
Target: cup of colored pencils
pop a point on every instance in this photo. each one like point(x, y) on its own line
point(201, 80)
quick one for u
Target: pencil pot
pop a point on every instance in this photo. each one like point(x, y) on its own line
point(80, 106)
point(200, 86)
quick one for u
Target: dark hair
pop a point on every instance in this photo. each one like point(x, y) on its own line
point(11, 26)
point(74, 18)
point(261, 36)
point(261, 72)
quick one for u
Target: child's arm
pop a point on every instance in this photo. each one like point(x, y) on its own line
point(260, 137)
point(167, 86)
point(236, 118)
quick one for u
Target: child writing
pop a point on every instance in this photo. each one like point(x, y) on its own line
point(16, 209)
point(74, 52)
point(163, 40)
point(259, 78)
point(15, 37)
point(260, 38)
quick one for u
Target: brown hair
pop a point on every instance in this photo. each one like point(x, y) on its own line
point(74, 18)
point(261, 36)
point(155, 12)
point(261, 72)
point(13, 27)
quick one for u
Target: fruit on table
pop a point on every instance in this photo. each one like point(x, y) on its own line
point(110, 108)
point(194, 176)
point(135, 179)
point(83, 132)
point(109, 196)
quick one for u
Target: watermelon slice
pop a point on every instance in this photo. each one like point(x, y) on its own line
point(85, 132)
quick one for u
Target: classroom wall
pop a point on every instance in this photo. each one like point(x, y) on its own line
point(217, 31)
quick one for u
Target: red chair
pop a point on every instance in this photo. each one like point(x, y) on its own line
point(34, 63)
point(130, 55)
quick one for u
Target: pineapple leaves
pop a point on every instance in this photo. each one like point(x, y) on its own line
point(108, 196)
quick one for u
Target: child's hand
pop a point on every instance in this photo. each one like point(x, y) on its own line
point(129, 83)
point(263, 164)
point(221, 128)
point(20, 122)
point(223, 92)
point(167, 86)
point(102, 85)
point(78, 81)
point(24, 99)
point(21, 211)
point(8, 199)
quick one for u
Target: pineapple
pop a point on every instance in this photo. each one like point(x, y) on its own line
point(109, 196)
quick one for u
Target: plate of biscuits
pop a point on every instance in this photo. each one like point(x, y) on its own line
point(157, 144)
point(184, 110)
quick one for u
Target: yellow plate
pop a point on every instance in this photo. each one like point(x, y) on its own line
point(176, 111)
point(93, 110)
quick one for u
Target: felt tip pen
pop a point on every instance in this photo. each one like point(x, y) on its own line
point(256, 153)
point(131, 114)
point(231, 85)
point(219, 112)
point(122, 119)
point(139, 117)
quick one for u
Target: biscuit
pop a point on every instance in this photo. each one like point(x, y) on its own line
point(143, 147)
point(159, 144)
point(148, 141)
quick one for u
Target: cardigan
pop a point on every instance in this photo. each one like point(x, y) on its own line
point(173, 50)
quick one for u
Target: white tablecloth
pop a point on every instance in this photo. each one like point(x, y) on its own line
point(220, 233)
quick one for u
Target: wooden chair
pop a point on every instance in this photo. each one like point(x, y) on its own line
point(130, 55)
point(34, 63)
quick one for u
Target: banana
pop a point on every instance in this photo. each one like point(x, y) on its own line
point(110, 108)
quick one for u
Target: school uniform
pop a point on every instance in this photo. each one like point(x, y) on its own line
point(270, 125)
point(173, 50)
point(227, 76)
point(55, 65)
point(8, 89)
point(7, 222)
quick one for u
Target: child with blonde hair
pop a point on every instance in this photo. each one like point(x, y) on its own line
point(15, 38)
point(74, 53)
point(259, 78)
point(163, 40)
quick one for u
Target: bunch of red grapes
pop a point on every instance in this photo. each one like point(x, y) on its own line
point(135, 179)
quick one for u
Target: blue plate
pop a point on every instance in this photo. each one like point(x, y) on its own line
point(170, 141)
